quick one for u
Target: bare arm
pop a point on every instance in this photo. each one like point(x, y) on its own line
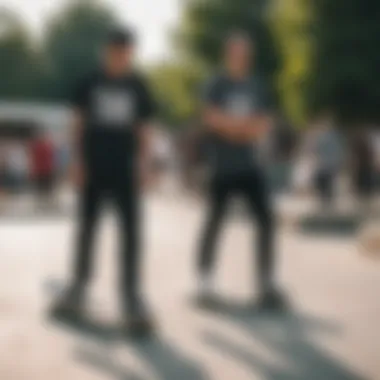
point(236, 129)
point(145, 154)
point(257, 127)
point(76, 133)
point(76, 136)
point(223, 124)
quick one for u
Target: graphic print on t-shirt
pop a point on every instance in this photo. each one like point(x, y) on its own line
point(239, 104)
point(239, 99)
point(114, 107)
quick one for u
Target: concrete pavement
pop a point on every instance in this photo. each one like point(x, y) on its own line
point(332, 333)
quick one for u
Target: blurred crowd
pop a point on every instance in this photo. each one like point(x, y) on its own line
point(330, 161)
point(37, 164)
point(319, 160)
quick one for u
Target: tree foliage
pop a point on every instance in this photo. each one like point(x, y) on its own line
point(291, 21)
point(207, 22)
point(176, 88)
point(345, 67)
point(321, 56)
point(21, 63)
point(72, 43)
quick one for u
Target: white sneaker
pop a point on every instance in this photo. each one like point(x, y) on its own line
point(205, 285)
point(206, 294)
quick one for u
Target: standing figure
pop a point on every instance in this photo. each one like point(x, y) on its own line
point(329, 155)
point(237, 115)
point(42, 159)
point(112, 110)
point(363, 168)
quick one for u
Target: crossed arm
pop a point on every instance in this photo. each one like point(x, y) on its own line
point(235, 129)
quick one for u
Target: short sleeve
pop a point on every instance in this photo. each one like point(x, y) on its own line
point(211, 92)
point(146, 104)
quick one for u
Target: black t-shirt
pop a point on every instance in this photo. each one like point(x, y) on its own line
point(113, 110)
point(239, 98)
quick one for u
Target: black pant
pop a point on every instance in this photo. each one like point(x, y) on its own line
point(325, 184)
point(44, 184)
point(252, 186)
point(123, 193)
point(364, 182)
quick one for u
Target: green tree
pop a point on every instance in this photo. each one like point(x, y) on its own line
point(21, 63)
point(206, 23)
point(176, 87)
point(346, 76)
point(291, 22)
point(73, 41)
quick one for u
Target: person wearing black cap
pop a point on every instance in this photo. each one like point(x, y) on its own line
point(113, 108)
point(237, 115)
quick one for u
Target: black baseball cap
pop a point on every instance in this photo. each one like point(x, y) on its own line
point(120, 37)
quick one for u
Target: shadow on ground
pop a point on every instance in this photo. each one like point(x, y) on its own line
point(164, 360)
point(101, 345)
point(286, 335)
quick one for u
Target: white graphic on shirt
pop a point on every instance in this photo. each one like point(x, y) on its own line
point(242, 104)
point(239, 104)
point(114, 107)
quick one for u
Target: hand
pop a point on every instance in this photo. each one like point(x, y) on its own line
point(250, 130)
point(77, 175)
point(241, 131)
point(146, 177)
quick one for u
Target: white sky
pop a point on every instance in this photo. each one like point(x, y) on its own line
point(152, 19)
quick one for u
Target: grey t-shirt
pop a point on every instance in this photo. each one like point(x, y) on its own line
point(238, 98)
point(329, 150)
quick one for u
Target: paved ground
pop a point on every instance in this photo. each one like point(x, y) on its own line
point(332, 333)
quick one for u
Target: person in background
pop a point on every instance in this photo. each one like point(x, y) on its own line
point(237, 116)
point(185, 150)
point(62, 160)
point(277, 153)
point(4, 177)
point(375, 144)
point(18, 166)
point(111, 157)
point(363, 165)
point(192, 147)
point(162, 156)
point(43, 159)
point(329, 156)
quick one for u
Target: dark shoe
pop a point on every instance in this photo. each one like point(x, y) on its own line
point(138, 322)
point(206, 296)
point(70, 304)
point(273, 300)
point(207, 300)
